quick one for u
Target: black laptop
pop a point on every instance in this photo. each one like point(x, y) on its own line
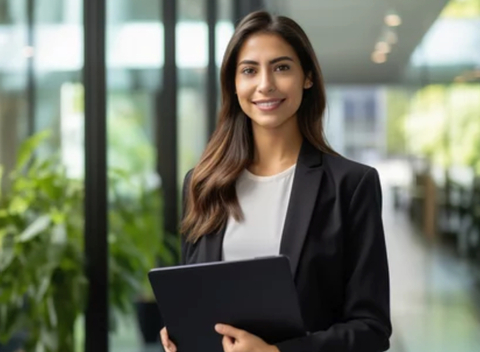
point(256, 295)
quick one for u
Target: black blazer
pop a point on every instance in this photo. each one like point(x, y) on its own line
point(333, 235)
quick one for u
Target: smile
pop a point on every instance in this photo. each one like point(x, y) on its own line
point(268, 105)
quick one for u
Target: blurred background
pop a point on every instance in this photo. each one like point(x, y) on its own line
point(403, 85)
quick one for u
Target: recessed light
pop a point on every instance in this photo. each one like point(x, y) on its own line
point(393, 20)
point(379, 57)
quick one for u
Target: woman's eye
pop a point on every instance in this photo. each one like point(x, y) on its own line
point(283, 68)
point(248, 71)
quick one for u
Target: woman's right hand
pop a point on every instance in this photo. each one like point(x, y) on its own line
point(168, 345)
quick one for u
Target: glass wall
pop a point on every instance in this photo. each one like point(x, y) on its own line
point(13, 122)
point(58, 63)
point(14, 62)
point(42, 94)
point(192, 58)
point(41, 157)
point(134, 50)
point(192, 61)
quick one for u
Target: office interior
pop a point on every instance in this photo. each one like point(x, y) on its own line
point(105, 105)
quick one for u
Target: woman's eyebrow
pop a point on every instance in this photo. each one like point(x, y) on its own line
point(271, 62)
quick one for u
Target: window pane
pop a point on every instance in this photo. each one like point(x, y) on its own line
point(41, 93)
point(192, 60)
point(134, 50)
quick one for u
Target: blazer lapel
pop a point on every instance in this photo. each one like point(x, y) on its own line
point(308, 175)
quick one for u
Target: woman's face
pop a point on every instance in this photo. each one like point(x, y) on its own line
point(269, 81)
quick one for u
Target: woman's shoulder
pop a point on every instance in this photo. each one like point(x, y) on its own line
point(347, 170)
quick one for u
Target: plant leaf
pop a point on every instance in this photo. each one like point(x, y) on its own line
point(18, 205)
point(6, 258)
point(28, 147)
point(1, 177)
point(35, 228)
point(51, 312)
point(45, 283)
point(7, 250)
point(59, 234)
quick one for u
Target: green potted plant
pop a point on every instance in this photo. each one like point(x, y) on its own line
point(41, 253)
point(43, 287)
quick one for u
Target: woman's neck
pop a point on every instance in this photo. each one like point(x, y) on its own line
point(275, 150)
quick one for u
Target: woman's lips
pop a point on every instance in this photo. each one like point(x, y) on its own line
point(268, 105)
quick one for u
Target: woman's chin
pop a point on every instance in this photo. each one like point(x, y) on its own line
point(270, 122)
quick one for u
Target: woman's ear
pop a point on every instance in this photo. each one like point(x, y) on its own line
point(308, 82)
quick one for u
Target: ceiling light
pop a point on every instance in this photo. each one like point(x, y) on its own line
point(383, 47)
point(379, 57)
point(392, 19)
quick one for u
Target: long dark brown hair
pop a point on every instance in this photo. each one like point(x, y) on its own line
point(210, 195)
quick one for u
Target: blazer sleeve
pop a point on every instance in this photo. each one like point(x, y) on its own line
point(365, 325)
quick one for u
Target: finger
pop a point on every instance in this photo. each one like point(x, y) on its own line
point(230, 331)
point(227, 344)
point(167, 344)
point(164, 336)
point(161, 337)
point(169, 347)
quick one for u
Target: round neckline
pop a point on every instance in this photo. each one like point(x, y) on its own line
point(281, 174)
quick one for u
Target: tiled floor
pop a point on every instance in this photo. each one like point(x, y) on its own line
point(435, 295)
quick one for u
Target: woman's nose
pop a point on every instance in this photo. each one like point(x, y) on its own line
point(266, 84)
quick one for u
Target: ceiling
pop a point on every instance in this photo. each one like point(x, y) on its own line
point(344, 34)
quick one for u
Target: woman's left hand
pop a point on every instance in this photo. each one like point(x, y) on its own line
point(236, 340)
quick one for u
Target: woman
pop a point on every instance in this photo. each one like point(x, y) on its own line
point(268, 183)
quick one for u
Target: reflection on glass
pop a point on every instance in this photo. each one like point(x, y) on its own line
point(192, 33)
point(136, 241)
point(13, 81)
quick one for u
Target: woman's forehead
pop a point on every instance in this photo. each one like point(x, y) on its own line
point(265, 46)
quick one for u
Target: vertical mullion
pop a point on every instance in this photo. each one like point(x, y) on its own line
point(211, 7)
point(236, 11)
point(167, 122)
point(241, 8)
point(96, 206)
